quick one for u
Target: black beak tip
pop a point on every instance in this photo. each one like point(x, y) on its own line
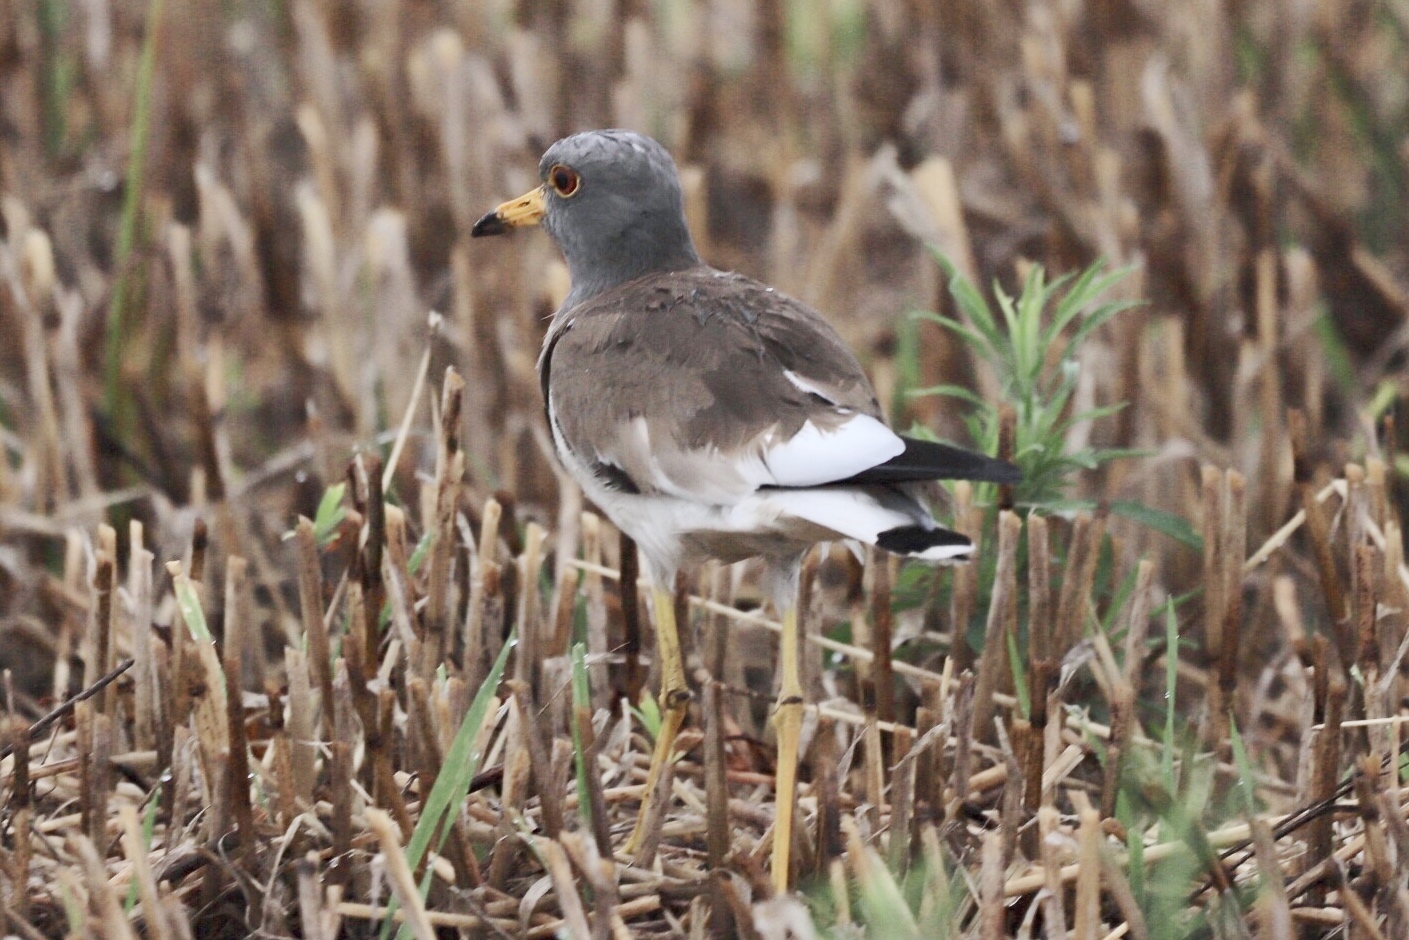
point(491, 223)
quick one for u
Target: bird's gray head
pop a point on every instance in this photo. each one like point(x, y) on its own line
point(612, 201)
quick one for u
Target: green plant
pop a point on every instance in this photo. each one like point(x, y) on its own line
point(330, 514)
point(1034, 381)
point(128, 229)
point(453, 785)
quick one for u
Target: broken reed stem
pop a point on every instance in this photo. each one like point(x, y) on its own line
point(532, 642)
point(136, 852)
point(1214, 580)
point(1273, 910)
point(103, 581)
point(1392, 622)
point(1054, 902)
point(145, 695)
point(827, 787)
point(1234, 550)
point(881, 569)
point(315, 631)
point(601, 872)
point(450, 472)
point(21, 808)
point(387, 792)
point(634, 677)
point(1087, 913)
point(1225, 496)
point(340, 783)
point(237, 624)
point(717, 832)
point(962, 597)
point(564, 610)
point(992, 910)
point(963, 725)
point(1118, 888)
point(550, 793)
point(435, 641)
point(302, 753)
point(513, 790)
point(482, 626)
point(873, 757)
point(1042, 666)
point(403, 883)
point(1325, 775)
point(1317, 526)
point(1365, 566)
point(1076, 584)
point(1379, 867)
point(902, 803)
point(310, 900)
point(95, 770)
point(1138, 623)
point(200, 541)
point(569, 901)
point(1123, 704)
point(101, 895)
point(371, 550)
point(993, 659)
point(927, 719)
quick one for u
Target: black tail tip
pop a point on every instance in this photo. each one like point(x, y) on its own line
point(917, 541)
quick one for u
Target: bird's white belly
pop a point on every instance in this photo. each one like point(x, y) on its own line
point(671, 531)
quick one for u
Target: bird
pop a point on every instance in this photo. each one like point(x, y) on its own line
point(710, 416)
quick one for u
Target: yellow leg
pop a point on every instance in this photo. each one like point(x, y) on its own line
point(674, 703)
point(788, 722)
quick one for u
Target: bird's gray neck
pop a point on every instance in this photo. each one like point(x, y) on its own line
point(632, 253)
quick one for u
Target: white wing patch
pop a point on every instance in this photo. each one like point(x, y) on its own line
point(812, 456)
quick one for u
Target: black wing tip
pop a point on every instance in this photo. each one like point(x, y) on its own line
point(917, 540)
point(964, 464)
point(930, 460)
point(1002, 471)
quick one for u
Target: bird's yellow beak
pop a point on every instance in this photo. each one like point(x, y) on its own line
point(528, 209)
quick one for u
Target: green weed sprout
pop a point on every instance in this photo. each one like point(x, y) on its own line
point(1037, 383)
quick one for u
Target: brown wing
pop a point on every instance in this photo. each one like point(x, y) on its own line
point(684, 381)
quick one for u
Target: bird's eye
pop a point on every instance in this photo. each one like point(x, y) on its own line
point(564, 180)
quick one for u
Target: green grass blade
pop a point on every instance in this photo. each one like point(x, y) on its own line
point(461, 765)
point(581, 705)
point(976, 342)
point(1020, 684)
point(149, 826)
point(951, 391)
point(418, 554)
point(189, 602)
point(330, 514)
point(1165, 523)
point(131, 209)
point(1242, 786)
point(1171, 684)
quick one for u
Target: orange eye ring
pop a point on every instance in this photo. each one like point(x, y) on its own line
point(564, 180)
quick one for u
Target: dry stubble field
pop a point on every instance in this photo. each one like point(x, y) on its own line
point(237, 289)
